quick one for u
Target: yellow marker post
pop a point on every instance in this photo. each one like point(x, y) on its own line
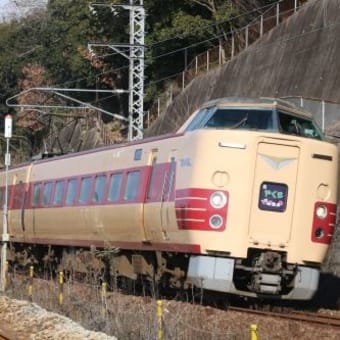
point(30, 285)
point(104, 290)
point(160, 319)
point(253, 332)
point(61, 288)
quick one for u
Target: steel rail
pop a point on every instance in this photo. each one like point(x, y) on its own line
point(312, 318)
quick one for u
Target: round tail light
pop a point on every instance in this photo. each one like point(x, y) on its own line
point(215, 221)
point(319, 232)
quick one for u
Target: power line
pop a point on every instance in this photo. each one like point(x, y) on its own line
point(213, 24)
point(177, 50)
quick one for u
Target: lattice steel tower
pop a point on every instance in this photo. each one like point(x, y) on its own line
point(136, 59)
point(136, 70)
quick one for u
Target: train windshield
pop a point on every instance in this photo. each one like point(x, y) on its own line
point(298, 126)
point(255, 119)
point(233, 119)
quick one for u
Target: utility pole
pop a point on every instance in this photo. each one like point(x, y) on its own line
point(136, 61)
point(5, 235)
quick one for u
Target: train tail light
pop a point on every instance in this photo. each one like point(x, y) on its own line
point(323, 222)
point(319, 233)
point(215, 221)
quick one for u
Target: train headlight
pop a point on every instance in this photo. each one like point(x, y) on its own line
point(215, 221)
point(321, 212)
point(319, 233)
point(218, 200)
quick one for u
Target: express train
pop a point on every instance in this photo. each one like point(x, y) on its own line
point(241, 200)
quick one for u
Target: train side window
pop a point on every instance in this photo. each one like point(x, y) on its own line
point(47, 193)
point(170, 179)
point(85, 189)
point(2, 197)
point(36, 194)
point(151, 188)
point(58, 192)
point(71, 191)
point(132, 185)
point(99, 187)
point(199, 119)
point(114, 189)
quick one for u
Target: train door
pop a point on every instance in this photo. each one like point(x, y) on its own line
point(159, 195)
point(152, 217)
point(273, 194)
point(167, 198)
point(16, 202)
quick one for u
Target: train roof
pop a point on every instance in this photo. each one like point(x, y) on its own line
point(257, 102)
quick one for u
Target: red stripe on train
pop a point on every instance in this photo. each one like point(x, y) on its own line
point(323, 229)
point(194, 210)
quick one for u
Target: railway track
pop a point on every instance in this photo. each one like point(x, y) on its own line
point(312, 318)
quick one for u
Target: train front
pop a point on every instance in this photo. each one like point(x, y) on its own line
point(273, 182)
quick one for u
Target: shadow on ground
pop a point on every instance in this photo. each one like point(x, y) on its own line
point(328, 294)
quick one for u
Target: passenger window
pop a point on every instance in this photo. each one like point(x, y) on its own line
point(151, 193)
point(47, 193)
point(85, 189)
point(132, 185)
point(58, 193)
point(2, 197)
point(36, 194)
point(71, 191)
point(115, 184)
point(99, 187)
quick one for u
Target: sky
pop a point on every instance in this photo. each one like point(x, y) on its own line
point(8, 7)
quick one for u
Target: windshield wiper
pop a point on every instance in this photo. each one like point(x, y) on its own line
point(240, 123)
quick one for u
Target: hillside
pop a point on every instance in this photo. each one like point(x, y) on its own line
point(300, 57)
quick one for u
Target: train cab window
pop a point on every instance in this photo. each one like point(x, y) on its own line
point(241, 119)
point(114, 188)
point(200, 119)
point(132, 185)
point(58, 192)
point(36, 194)
point(85, 189)
point(298, 126)
point(71, 191)
point(99, 187)
point(47, 193)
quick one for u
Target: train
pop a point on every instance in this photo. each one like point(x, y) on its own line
point(240, 201)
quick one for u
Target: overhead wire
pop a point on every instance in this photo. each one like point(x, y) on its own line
point(268, 7)
point(169, 39)
point(213, 24)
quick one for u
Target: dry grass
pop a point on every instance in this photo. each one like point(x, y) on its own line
point(130, 317)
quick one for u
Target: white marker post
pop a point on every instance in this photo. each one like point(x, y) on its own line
point(5, 235)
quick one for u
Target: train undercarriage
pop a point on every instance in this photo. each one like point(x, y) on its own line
point(263, 274)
